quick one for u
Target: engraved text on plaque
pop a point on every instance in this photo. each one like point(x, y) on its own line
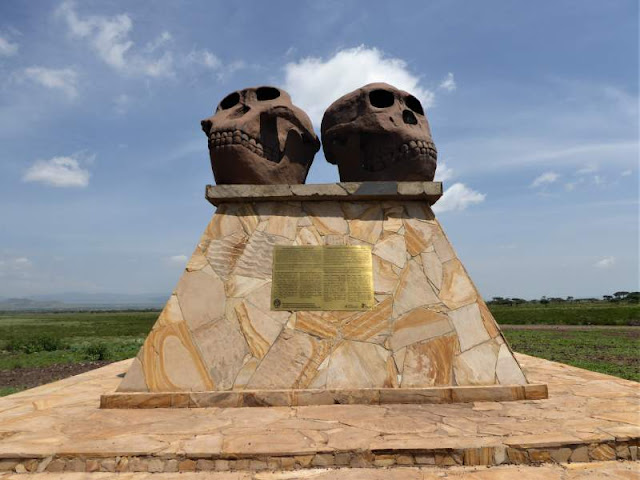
point(322, 278)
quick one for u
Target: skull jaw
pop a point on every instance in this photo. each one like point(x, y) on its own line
point(234, 164)
point(378, 158)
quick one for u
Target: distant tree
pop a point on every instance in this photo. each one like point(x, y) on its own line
point(569, 299)
point(620, 295)
point(633, 297)
point(608, 298)
point(544, 300)
point(518, 301)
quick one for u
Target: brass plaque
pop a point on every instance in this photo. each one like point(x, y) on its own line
point(332, 277)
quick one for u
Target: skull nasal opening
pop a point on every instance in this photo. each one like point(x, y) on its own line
point(381, 98)
point(409, 117)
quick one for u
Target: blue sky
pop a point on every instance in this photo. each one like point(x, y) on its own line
point(533, 107)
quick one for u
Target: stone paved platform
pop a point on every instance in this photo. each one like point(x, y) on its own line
point(574, 471)
point(59, 427)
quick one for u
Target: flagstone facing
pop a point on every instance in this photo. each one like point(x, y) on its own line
point(428, 328)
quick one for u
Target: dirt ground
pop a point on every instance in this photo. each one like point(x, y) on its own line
point(30, 377)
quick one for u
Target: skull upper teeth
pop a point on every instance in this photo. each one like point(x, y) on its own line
point(222, 138)
point(411, 149)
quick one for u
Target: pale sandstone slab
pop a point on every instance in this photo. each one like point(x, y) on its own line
point(418, 325)
point(430, 362)
point(358, 365)
point(291, 362)
point(327, 217)
point(432, 268)
point(366, 225)
point(469, 325)
point(457, 289)
point(222, 254)
point(308, 236)
point(413, 290)
point(392, 249)
point(417, 236)
point(477, 366)
point(256, 259)
point(385, 278)
point(259, 329)
point(508, 371)
point(201, 297)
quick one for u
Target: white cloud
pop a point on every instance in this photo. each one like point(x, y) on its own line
point(449, 83)
point(7, 48)
point(64, 79)
point(458, 197)
point(178, 259)
point(545, 179)
point(605, 262)
point(626, 173)
point(109, 36)
point(443, 173)
point(58, 172)
point(314, 83)
point(587, 169)
point(205, 59)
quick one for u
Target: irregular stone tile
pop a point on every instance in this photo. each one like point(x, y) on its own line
point(170, 359)
point(261, 299)
point(392, 249)
point(490, 323)
point(292, 362)
point(134, 379)
point(249, 219)
point(399, 357)
point(418, 325)
point(245, 373)
point(223, 349)
point(367, 226)
point(469, 325)
point(222, 254)
point(419, 210)
point(201, 297)
point(308, 236)
point(319, 381)
point(331, 239)
point(327, 217)
point(282, 220)
point(413, 290)
point(507, 369)
point(320, 324)
point(373, 325)
point(430, 363)
point(256, 260)
point(384, 278)
point(259, 329)
point(457, 289)
point(393, 217)
point(477, 366)
point(417, 236)
point(358, 365)
point(442, 245)
point(197, 260)
point(432, 268)
point(223, 224)
point(239, 286)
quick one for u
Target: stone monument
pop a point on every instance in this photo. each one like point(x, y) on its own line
point(322, 294)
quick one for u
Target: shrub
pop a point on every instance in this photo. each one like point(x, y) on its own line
point(41, 343)
point(97, 351)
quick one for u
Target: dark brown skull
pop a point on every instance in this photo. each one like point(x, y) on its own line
point(379, 133)
point(257, 136)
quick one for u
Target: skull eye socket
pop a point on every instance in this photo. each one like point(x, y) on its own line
point(230, 100)
point(414, 104)
point(381, 98)
point(267, 93)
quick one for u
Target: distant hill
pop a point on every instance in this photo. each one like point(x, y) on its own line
point(84, 301)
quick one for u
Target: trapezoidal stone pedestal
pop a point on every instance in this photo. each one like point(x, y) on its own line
point(428, 339)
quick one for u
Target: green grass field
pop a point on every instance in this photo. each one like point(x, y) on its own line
point(601, 313)
point(39, 342)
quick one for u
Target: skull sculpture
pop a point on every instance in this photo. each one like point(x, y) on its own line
point(257, 136)
point(379, 133)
